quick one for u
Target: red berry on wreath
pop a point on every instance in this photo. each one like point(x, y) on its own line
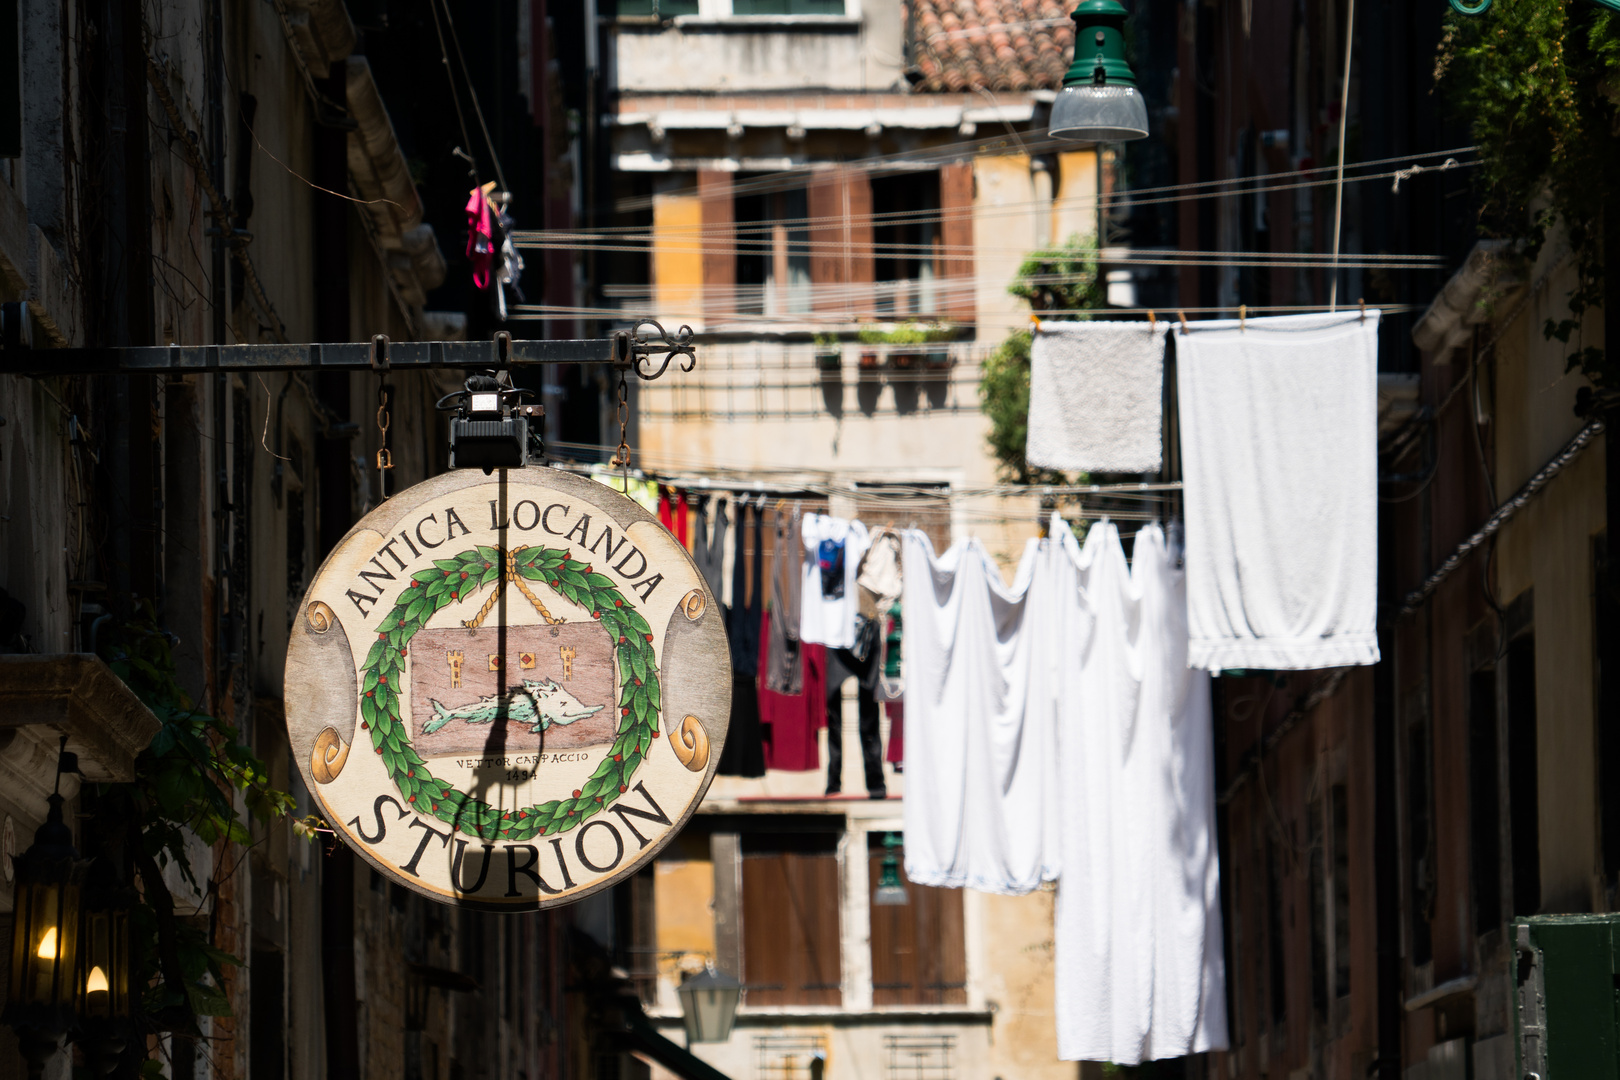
point(379, 749)
point(464, 575)
point(586, 570)
point(576, 793)
point(382, 637)
point(622, 712)
point(618, 603)
point(596, 614)
point(365, 724)
point(621, 788)
point(599, 798)
point(382, 678)
point(618, 757)
point(638, 682)
point(649, 637)
point(621, 639)
point(655, 734)
point(455, 596)
point(553, 584)
point(411, 799)
point(435, 806)
point(370, 693)
point(411, 773)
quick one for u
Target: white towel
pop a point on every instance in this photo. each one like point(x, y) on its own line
point(1140, 973)
point(980, 806)
point(1279, 436)
point(1096, 397)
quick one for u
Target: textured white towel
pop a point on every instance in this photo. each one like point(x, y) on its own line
point(1279, 436)
point(980, 807)
point(1140, 973)
point(1096, 397)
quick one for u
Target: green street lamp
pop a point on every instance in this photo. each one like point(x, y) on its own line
point(1099, 101)
point(891, 891)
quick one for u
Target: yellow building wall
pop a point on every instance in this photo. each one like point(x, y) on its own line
point(677, 257)
point(1548, 546)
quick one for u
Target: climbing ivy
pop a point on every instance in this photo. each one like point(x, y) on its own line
point(1539, 83)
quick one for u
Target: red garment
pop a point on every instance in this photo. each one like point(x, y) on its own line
point(897, 732)
point(480, 238)
point(792, 720)
point(666, 516)
point(680, 520)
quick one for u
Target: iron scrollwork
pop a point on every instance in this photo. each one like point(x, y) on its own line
point(635, 346)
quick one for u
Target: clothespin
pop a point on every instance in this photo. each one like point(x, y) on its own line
point(1183, 317)
point(1153, 323)
point(1243, 316)
point(1363, 303)
point(1036, 319)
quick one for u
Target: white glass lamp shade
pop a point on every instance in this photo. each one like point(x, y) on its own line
point(709, 1006)
point(1093, 113)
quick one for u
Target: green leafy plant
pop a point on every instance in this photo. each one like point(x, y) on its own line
point(187, 783)
point(906, 333)
point(1539, 83)
point(1061, 279)
point(456, 579)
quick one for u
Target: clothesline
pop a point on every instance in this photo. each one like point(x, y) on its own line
point(553, 313)
point(793, 178)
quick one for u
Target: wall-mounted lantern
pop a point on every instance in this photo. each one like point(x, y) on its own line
point(1099, 101)
point(103, 981)
point(709, 1005)
point(44, 988)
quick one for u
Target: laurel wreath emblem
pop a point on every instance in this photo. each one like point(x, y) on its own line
point(452, 581)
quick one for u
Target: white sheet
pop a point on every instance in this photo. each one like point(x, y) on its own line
point(980, 805)
point(1138, 927)
point(1279, 432)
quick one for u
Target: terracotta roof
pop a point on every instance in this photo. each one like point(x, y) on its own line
point(990, 44)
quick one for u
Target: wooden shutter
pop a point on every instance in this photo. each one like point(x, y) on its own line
point(718, 241)
point(790, 927)
point(956, 239)
point(918, 951)
point(840, 202)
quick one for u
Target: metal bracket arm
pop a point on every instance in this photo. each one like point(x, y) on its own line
point(621, 348)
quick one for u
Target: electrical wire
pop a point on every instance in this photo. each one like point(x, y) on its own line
point(472, 94)
point(455, 95)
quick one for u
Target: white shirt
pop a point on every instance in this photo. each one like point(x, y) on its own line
point(828, 604)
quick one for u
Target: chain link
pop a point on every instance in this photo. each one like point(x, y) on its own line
point(621, 456)
point(385, 459)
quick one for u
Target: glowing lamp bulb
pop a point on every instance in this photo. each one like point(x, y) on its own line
point(97, 981)
point(47, 945)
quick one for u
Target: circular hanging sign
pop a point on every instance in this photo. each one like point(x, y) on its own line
point(508, 691)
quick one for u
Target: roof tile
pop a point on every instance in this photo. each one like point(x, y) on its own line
point(1016, 45)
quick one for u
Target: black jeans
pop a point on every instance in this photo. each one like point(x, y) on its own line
point(842, 665)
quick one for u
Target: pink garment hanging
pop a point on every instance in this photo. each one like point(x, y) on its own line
point(681, 530)
point(480, 238)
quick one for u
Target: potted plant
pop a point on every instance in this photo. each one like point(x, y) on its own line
point(870, 338)
point(829, 355)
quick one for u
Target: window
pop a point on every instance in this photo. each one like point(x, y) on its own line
point(906, 232)
point(1341, 890)
point(787, 7)
point(1483, 801)
point(773, 251)
point(1522, 781)
point(918, 955)
point(1420, 838)
point(790, 919)
point(1606, 650)
point(663, 9)
point(920, 1057)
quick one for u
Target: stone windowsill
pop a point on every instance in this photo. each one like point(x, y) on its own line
point(77, 695)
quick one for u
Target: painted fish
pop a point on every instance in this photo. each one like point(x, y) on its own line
point(542, 703)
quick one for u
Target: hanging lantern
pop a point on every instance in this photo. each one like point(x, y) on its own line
point(45, 937)
point(891, 891)
point(709, 1006)
point(102, 983)
point(1099, 101)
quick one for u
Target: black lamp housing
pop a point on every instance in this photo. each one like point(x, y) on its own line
point(490, 428)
